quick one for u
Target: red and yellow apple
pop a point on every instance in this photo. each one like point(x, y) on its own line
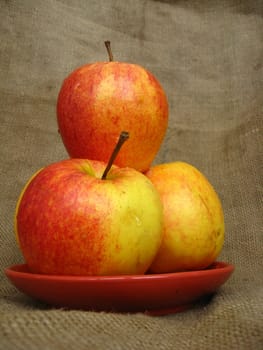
point(193, 218)
point(70, 221)
point(99, 100)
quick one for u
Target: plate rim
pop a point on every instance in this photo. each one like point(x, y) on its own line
point(216, 267)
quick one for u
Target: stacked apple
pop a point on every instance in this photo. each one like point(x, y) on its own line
point(106, 211)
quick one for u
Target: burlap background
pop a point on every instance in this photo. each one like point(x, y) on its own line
point(208, 56)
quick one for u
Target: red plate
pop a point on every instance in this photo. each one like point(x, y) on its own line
point(155, 294)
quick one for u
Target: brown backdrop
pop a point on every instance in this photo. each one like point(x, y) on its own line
point(208, 55)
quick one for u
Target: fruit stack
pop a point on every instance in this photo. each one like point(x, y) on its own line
point(106, 210)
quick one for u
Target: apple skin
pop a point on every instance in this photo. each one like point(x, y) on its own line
point(70, 222)
point(193, 218)
point(97, 101)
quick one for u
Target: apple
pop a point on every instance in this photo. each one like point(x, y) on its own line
point(99, 100)
point(193, 218)
point(74, 217)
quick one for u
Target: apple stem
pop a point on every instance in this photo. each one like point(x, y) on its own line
point(108, 47)
point(124, 135)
